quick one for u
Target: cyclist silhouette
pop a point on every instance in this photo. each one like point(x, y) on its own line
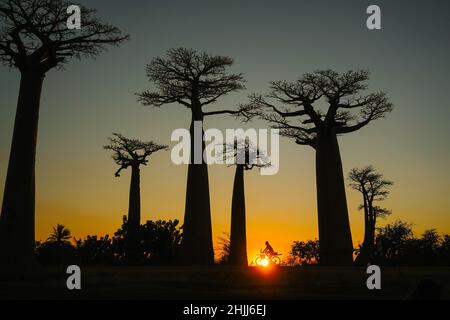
point(268, 256)
point(268, 251)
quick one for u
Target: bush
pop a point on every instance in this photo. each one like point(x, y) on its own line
point(53, 254)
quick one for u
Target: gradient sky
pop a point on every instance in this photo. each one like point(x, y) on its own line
point(269, 40)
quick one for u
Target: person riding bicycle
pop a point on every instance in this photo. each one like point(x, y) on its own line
point(268, 251)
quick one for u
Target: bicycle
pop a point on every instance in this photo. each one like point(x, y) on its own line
point(264, 260)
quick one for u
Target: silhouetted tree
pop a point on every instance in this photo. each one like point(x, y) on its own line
point(60, 235)
point(161, 241)
point(158, 244)
point(373, 188)
point(34, 38)
point(57, 250)
point(245, 157)
point(98, 251)
point(300, 117)
point(396, 245)
point(391, 243)
point(194, 80)
point(431, 240)
point(119, 241)
point(428, 248)
point(224, 249)
point(132, 153)
point(307, 253)
point(444, 251)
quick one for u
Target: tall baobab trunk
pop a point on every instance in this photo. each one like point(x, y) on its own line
point(362, 258)
point(367, 249)
point(17, 240)
point(134, 214)
point(336, 248)
point(197, 246)
point(371, 239)
point(238, 237)
point(368, 246)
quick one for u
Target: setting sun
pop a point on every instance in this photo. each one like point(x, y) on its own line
point(265, 262)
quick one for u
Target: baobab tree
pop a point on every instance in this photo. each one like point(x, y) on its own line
point(132, 153)
point(34, 39)
point(245, 157)
point(314, 111)
point(195, 81)
point(373, 188)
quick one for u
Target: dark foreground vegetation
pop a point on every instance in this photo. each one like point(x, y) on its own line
point(159, 244)
point(223, 282)
point(395, 245)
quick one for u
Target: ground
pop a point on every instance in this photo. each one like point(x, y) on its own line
point(220, 282)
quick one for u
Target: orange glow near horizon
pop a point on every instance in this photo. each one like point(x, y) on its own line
point(280, 215)
point(281, 209)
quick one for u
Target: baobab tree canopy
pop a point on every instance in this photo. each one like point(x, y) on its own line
point(192, 79)
point(131, 152)
point(370, 183)
point(374, 188)
point(34, 33)
point(301, 115)
point(243, 152)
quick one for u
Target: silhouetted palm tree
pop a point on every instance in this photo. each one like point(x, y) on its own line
point(61, 235)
